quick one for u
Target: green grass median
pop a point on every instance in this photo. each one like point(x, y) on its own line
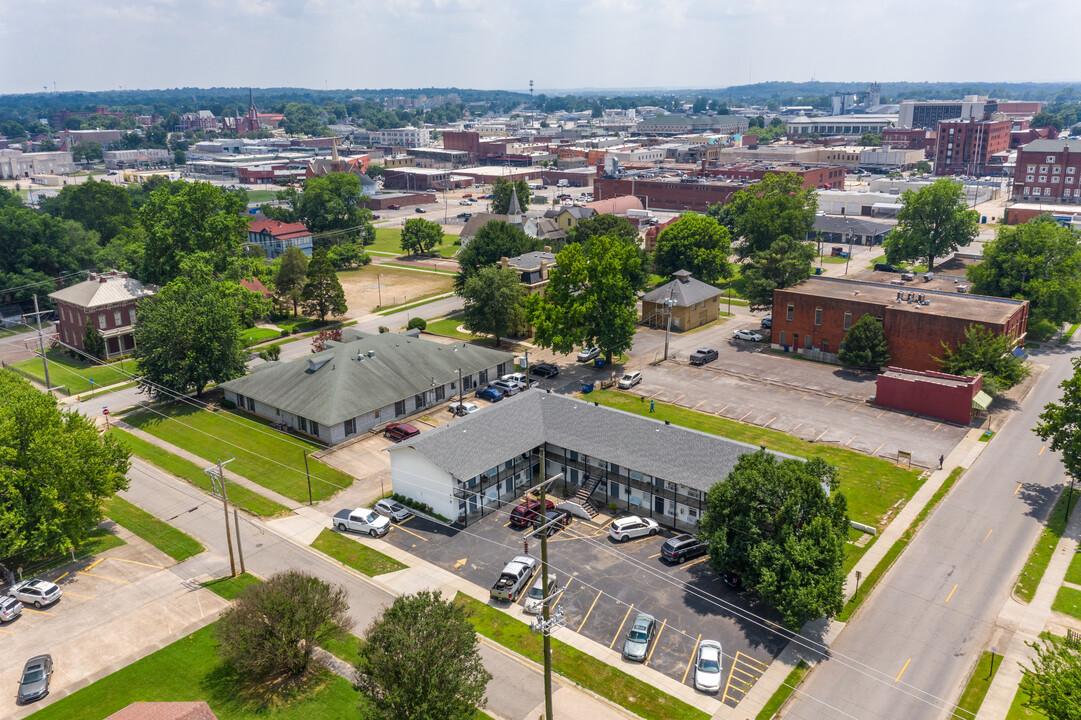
point(356, 555)
point(73, 375)
point(978, 685)
point(782, 694)
point(1044, 549)
point(176, 544)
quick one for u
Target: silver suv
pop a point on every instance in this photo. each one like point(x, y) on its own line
point(627, 528)
point(10, 608)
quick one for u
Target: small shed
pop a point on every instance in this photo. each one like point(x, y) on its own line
point(693, 303)
point(952, 398)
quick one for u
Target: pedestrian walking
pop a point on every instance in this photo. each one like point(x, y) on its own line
point(651, 406)
point(941, 458)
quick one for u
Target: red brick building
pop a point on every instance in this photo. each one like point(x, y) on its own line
point(667, 193)
point(817, 313)
point(910, 139)
point(814, 177)
point(1048, 171)
point(108, 301)
point(933, 394)
point(966, 147)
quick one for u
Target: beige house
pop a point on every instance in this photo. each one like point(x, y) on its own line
point(693, 303)
point(568, 216)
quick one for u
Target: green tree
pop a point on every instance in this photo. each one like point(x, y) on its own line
point(501, 190)
point(290, 277)
point(774, 523)
point(865, 346)
point(37, 248)
point(180, 157)
point(1039, 261)
point(87, 151)
point(322, 294)
point(779, 205)
point(493, 302)
point(348, 255)
point(47, 145)
point(93, 342)
point(184, 219)
point(922, 167)
point(272, 628)
point(99, 206)
point(124, 252)
point(57, 471)
point(421, 660)
point(590, 299)
point(870, 139)
point(984, 352)
point(932, 222)
point(1046, 119)
point(1053, 683)
point(696, 243)
point(420, 236)
point(188, 335)
point(333, 203)
point(495, 240)
point(787, 262)
point(375, 170)
point(603, 224)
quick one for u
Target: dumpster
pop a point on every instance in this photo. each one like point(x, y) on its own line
point(587, 387)
point(598, 363)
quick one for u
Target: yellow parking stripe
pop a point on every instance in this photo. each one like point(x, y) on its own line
point(589, 611)
point(752, 661)
point(413, 533)
point(898, 678)
point(39, 612)
point(690, 660)
point(62, 577)
point(619, 631)
point(103, 577)
point(699, 560)
point(7, 632)
point(656, 641)
point(84, 597)
point(136, 562)
point(94, 564)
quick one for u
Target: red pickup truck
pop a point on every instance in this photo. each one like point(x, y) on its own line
point(525, 513)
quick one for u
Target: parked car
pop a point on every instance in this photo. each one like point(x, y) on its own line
point(462, 408)
point(518, 379)
point(708, 666)
point(556, 520)
point(640, 638)
point(513, 578)
point(767, 322)
point(394, 206)
point(701, 356)
point(38, 593)
point(682, 548)
point(399, 431)
point(749, 335)
point(467, 195)
point(361, 520)
point(465, 215)
point(733, 580)
point(627, 528)
point(524, 513)
point(10, 608)
point(886, 267)
point(629, 380)
point(464, 202)
point(393, 510)
point(544, 370)
point(34, 683)
point(508, 388)
point(491, 394)
point(420, 210)
point(908, 275)
point(588, 354)
point(534, 599)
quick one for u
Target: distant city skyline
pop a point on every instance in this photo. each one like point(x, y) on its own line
point(560, 44)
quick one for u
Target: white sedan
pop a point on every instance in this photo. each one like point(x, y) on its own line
point(750, 335)
point(707, 666)
point(630, 379)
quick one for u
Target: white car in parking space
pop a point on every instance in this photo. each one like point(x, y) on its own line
point(628, 528)
point(37, 592)
point(518, 378)
point(630, 379)
point(393, 510)
point(534, 599)
point(707, 666)
point(750, 335)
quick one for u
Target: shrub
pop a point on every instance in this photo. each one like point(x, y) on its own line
point(383, 329)
point(1042, 330)
point(228, 404)
point(285, 332)
point(417, 323)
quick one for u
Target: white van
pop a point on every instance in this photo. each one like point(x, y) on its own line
point(563, 183)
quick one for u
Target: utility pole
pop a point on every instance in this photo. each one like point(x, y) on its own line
point(526, 368)
point(41, 344)
point(217, 479)
point(668, 312)
point(461, 390)
point(306, 472)
point(239, 550)
point(547, 623)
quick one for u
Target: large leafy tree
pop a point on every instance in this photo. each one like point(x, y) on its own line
point(493, 302)
point(420, 660)
point(984, 352)
point(590, 299)
point(1053, 683)
point(420, 236)
point(273, 628)
point(93, 342)
point(290, 276)
point(865, 346)
point(56, 471)
point(333, 203)
point(36, 248)
point(322, 294)
point(189, 218)
point(696, 243)
point(603, 224)
point(787, 262)
point(99, 206)
point(932, 223)
point(125, 252)
point(495, 240)
point(1039, 261)
point(774, 523)
point(778, 205)
point(501, 191)
point(1061, 422)
point(188, 335)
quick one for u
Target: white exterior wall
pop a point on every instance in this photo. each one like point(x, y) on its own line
point(417, 477)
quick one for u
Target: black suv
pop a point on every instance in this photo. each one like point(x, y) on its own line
point(682, 547)
point(701, 356)
point(886, 267)
point(554, 519)
point(544, 370)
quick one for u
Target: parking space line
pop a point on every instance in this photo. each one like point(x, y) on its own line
point(948, 597)
point(850, 441)
point(936, 427)
point(745, 415)
point(877, 449)
point(722, 409)
point(1018, 488)
point(988, 534)
point(857, 405)
point(62, 577)
point(7, 632)
point(412, 533)
point(1041, 451)
point(829, 403)
point(909, 419)
point(39, 612)
point(679, 398)
point(806, 396)
point(655, 394)
point(898, 678)
point(136, 562)
point(103, 577)
point(753, 661)
point(84, 597)
point(507, 524)
point(690, 660)
point(94, 564)
point(797, 427)
point(771, 420)
point(619, 630)
point(696, 406)
point(653, 556)
point(821, 434)
point(656, 642)
point(881, 414)
point(699, 560)
point(599, 593)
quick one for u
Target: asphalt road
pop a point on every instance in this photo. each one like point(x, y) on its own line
point(907, 653)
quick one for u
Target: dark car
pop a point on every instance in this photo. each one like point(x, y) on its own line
point(34, 683)
point(682, 548)
point(886, 267)
point(767, 323)
point(491, 394)
point(701, 356)
point(556, 520)
point(523, 514)
point(400, 431)
point(544, 370)
point(421, 210)
point(733, 580)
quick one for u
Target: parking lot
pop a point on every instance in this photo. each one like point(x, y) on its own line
point(605, 584)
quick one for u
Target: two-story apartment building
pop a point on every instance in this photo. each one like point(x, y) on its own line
point(108, 301)
point(275, 236)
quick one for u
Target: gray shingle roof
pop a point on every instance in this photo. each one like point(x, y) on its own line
point(843, 223)
point(106, 289)
point(684, 293)
point(333, 386)
point(1053, 145)
point(470, 445)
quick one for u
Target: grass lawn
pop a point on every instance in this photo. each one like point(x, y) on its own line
point(1068, 601)
point(1073, 573)
point(75, 376)
point(1068, 334)
point(871, 485)
point(230, 587)
point(425, 269)
point(347, 648)
point(242, 497)
point(977, 686)
point(297, 324)
point(14, 330)
point(356, 555)
point(254, 335)
point(448, 327)
point(1044, 549)
point(778, 698)
point(263, 455)
point(188, 670)
point(261, 196)
point(174, 543)
point(389, 240)
point(1018, 711)
point(833, 259)
point(605, 680)
point(391, 309)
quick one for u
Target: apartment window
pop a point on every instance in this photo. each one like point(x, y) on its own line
point(848, 320)
point(131, 316)
point(1056, 170)
point(440, 393)
point(1030, 178)
point(818, 316)
point(1050, 159)
point(315, 428)
point(101, 321)
point(1043, 178)
point(806, 341)
point(781, 338)
point(791, 312)
point(1047, 191)
point(399, 408)
point(418, 400)
point(1069, 180)
point(1043, 168)
point(240, 401)
point(116, 318)
point(1070, 170)
point(467, 382)
point(251, 404)
point(482, 377)
point(303, 424)
point(1031, 169)
point(350, 426)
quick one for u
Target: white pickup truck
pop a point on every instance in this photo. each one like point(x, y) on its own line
point(362, 520)
point(515, 576)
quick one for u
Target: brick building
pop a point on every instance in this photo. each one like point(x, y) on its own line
point(467, 141)
point(910, 139)
point(817, 313)
point(1049, 170)
point(933, 394)
point(108, 300)
point(967, 147)
point(667, 193)
point(813, 176)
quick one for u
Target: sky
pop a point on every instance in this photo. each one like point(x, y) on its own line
point(503, 44)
